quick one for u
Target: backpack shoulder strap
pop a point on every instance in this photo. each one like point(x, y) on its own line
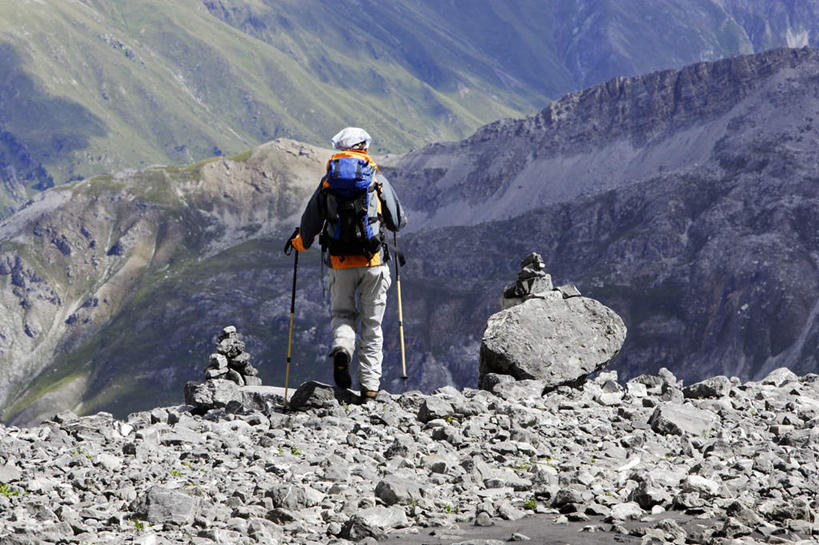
point(354, 154)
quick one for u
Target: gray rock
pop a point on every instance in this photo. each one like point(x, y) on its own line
point(434, 407)
point(261, 398)
point(780, 376)
point(226, 332)
point(568, 290)
point(703, 486)
point(560, 341)
point(316, 395)
point(708, 388)
point(294, 497)
point(218, 361)
point(212, 394)
point(676, 419)
point(230, 347)
point(374, 522)
point(180, 435)
point(160, 504)
point(9, 474)
point(648, 494)
point(507, 511)
point(490, 381)
point(240, 362)
point(626, 511)
point(212, 373)
point(483, 519)
point(518, 390)
point(235, 376)
point(396, 490)
point(252, 380)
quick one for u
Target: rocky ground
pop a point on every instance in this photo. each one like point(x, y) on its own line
point(645, 462)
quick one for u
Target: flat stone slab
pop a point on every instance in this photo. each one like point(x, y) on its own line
point(676, 419)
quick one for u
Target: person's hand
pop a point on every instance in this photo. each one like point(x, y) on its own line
point(292, 243)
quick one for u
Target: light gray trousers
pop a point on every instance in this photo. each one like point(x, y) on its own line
point(360, 293)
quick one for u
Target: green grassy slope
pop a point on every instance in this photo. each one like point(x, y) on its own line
point(95, 86)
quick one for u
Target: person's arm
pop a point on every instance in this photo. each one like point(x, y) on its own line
point(391, 209)
point(312, 220)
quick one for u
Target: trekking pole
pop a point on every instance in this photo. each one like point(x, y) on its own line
point(400, 312)
point(289, 247)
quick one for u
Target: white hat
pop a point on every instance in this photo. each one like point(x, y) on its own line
point(350, 137)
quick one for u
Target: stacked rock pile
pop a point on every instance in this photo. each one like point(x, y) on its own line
point(649, 461)
point(533, 281)
point(231, 382)
point(230, 361)
point(554, 335)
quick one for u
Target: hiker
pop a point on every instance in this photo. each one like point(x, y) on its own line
point(349, 210)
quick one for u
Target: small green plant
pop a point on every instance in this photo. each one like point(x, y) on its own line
point(531, 503)
point(448, 508)
point(295, 452)
point(8, 491)
point(176, 473)
point(139, 525)
point(450, 419)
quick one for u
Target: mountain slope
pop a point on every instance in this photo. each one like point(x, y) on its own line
point(97, 86)
point(686, 200)
point(101, 276)
point(607, 136)
point(709, 252)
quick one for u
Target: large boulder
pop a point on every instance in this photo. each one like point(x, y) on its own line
point(551, 338)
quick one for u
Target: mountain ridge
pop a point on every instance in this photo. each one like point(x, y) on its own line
point(710, 265)
point(127, 85)
point(651, 107)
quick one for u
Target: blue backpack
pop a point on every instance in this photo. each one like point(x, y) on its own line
point(351, 206)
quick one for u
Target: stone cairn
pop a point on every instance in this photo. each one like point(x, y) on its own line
point(550, 335)
point(533, 282)
point(230, 361)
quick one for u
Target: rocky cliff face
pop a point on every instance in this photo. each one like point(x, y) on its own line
point(686, 200)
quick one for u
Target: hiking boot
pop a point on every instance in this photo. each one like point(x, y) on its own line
point(341, 368)
point(368, 395)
